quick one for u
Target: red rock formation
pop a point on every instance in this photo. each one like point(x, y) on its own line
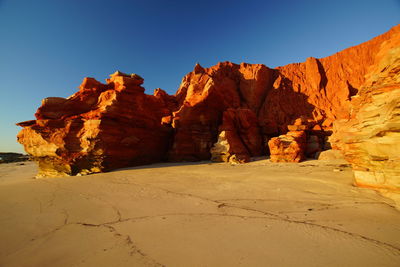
point(101, 127)
point(239, 138)
point(204, 95)
point(290, 147)
point(320, 89)
point(370, 139)
point(106, 126)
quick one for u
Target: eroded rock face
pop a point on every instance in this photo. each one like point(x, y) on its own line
point(204, 96)
point(370, 139)
point(227, 112)
point(290, 147)
point(320, 89)
point(101, 127)
point(239, 139)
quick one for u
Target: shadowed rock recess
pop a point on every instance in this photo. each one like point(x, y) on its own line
point(231, 113)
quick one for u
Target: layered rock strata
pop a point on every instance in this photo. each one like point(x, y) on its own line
point(99, 128)
point(304, 139)
point(370, 139)
point(227, 112)
point(205, 96)
point(288, 147)
point(292, 146)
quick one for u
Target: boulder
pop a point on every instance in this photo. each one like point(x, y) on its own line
point(288, 148)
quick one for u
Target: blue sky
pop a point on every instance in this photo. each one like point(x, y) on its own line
point(48, 47)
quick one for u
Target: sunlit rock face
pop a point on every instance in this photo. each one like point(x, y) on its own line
point(288, 147)
point(101, 127)
point(370, 139)
point(228, 112)
point(292, 146)
point(227, 94)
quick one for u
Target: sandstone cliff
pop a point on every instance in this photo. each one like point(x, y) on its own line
point(99, 128)
point(205, 95)
point(227, 112)
point(370, 139)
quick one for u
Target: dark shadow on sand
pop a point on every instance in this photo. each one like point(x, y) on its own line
point(168, 164)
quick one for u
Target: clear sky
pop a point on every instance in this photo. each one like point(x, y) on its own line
point(48, 47)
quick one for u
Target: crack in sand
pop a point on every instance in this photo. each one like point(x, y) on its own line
point(387, 246)
point(222, 204)
point(46, 234)
point(50, 203)
point(66, 216)
point(37, 238)
point(128, 241)
point(280, 217)
point(305, 222)
point(309, 205)
point(187, 214)
point(56, 186)
point(383, 201)
point(85, 196)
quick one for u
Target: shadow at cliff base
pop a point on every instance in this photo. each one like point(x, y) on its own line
point(207, 162)
point(185, 163)
point(167, 164)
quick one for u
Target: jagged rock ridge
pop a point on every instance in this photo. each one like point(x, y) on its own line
point(229, 112)
point(99, 128)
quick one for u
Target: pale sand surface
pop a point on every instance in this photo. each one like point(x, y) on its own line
point(256, 214)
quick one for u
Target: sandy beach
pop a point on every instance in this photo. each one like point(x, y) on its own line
point(196, 214)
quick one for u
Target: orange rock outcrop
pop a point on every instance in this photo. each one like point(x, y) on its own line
point(370, 139)
point(239, 137)
point(205, 95)
point(292, 146)
point(227, 112)
point(288, 147)
point(99, 128)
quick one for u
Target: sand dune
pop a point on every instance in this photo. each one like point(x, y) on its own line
point(203, 214)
